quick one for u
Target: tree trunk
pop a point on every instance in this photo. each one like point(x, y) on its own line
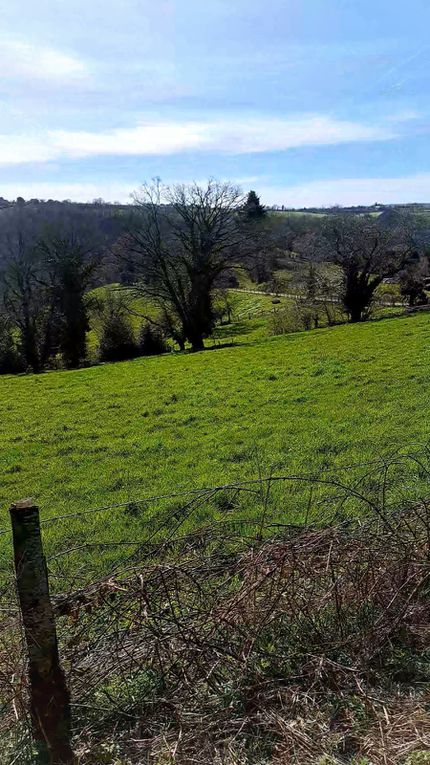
point(197, 344)
point(31, 355)
point(355, 315)
point(29, 346)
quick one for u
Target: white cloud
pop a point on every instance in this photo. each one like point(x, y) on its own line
point(223, 135)
point(276, 134)
point(77, 192)
point(22, 60)
point(22, 149)
point(344, 191)
point(350, 191)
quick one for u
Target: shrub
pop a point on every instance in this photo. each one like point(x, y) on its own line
point(151, 341)
point(117, 341)
point(10, 359)
point(281, 322)
point(294, 318)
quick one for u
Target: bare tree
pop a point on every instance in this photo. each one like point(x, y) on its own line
point(179, 241)
point(46, 270)
point(367, 253)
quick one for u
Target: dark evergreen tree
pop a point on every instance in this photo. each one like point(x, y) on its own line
point(69, 263)
point(24, 298)
point(253, 208)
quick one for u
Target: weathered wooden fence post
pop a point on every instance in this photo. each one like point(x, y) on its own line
point(49, 696)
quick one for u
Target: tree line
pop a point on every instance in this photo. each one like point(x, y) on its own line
point(176, 246)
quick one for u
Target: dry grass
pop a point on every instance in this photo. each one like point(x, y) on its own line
point(238, 648)
point(282, 651)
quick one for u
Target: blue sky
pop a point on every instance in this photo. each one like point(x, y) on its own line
point(310, 102)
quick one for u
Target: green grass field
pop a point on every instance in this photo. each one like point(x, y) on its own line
point(305, 402)
point(250, 318)
point(251, 314)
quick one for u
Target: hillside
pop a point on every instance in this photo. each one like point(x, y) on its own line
point(325, 399)
point(279, 605)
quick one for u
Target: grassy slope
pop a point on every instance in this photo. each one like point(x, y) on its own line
point(336, 396)
point(250, 318)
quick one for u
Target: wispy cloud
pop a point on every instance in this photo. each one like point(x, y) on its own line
point(23, 60)
point(224, 135)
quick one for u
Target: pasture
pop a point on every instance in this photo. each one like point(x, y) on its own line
point(307, 402)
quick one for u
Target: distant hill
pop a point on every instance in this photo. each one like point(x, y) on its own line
point(101, 222)
point(376, 209)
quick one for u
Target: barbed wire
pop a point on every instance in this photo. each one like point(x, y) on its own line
point(382, 462)
point(197, 592)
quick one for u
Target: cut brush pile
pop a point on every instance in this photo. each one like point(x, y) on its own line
point(314, 643)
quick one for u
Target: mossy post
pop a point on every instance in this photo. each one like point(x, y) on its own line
point(49, 696)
